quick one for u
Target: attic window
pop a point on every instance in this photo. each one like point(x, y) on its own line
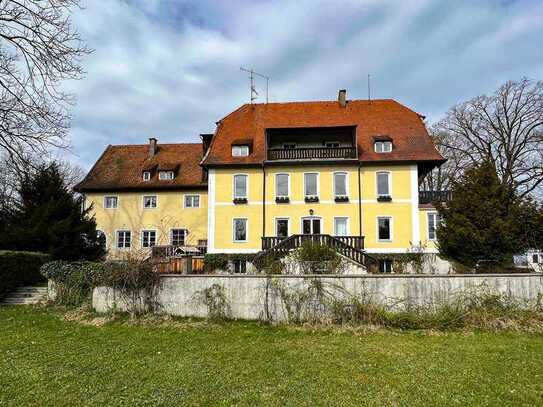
point(165, 175)
point(240, 151)
point(383, 146)
point(146, 175)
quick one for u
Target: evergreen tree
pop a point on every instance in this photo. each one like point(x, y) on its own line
point(486, 220)
point(49, 218)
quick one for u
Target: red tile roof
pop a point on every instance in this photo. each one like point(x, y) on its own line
point(372, 119)
point(121, 168)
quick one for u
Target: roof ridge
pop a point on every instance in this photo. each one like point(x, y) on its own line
point(322, 101)
point(159, 144)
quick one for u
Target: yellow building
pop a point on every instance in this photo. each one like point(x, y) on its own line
point(346, 171)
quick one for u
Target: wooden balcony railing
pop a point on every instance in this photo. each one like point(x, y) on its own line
point(355, 241)
point(426, 197)
point(309, 153)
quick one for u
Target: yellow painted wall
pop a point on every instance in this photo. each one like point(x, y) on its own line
point(400, 208)
point(130, 215)
point(423, 219)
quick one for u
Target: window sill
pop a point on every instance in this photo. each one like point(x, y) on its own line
point(384, 198)
point(282, 199)
point(384, 241)
point(310, 199)
point(341, 199)
point(238, 201)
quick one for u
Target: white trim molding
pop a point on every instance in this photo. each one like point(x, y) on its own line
point(211, 210)
point(414, 175)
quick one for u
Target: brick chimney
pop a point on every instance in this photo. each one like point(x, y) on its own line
point(152, 147)
point(342, 97)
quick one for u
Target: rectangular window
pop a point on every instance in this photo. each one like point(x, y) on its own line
point(385, 266)
point(383, 146)
point(240, 230)
point(148, 238)
point(384, 229)
point(123, 239)
point(240, 151)
point(240, 186)
point(165, 175)
point(311, 184)
point(340, 227)
point(383, 184)
point(340, 184)
point(177, 237)
point(192, 201)
point(146, 175)
point(433, 222)
point(281, 227)
point(281, 185)
point(149, 202)
point(240, 266)
point(111, 202)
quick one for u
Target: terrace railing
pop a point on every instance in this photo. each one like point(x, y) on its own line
point(426, 197)
point(311, 153)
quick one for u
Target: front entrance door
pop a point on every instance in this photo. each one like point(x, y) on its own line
point(311, 226)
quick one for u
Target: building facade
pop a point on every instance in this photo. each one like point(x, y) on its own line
point(346, 169)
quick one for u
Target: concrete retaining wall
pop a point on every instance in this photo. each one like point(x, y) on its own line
point(246, 293)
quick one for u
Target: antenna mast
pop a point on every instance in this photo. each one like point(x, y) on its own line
point(252, 73)
point(369, 88)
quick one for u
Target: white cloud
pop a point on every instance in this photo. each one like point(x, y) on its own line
point(170, 69)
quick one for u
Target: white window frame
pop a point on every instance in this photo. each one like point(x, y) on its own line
point(111, 196)
point(234, 230)
point(117, 239)
point(311, 218)
point(241, 150)
point(170, 175)
point(146, 175)
point(185, 233)
point(149, 196)
point(142, 240)
point(288, 185)
point(436, 224)
point(347, 225)
point(246, 186)
point(275, 225)
point(382, 143)
point(391, 223)
point(334, 183)
point(318, 184)
point(389, 179)
point(191, 196)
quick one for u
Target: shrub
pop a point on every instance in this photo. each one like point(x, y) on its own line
point(20, 268)
point(213, 262)
point(73, 281)
point(316, 258)
point(214, 298)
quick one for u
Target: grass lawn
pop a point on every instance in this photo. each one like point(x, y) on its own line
point(46, 360)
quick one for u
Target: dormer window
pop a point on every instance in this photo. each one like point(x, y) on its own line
point(146, 175)
point(240, 151)
point(383, 146)
point(165, 175)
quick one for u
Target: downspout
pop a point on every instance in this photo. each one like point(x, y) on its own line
point(263, 203)
point(359, 204)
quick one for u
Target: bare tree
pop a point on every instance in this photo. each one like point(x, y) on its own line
point(505, 128)
point(39, 49)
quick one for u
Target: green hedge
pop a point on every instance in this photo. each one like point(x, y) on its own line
point(19, 269)
point(214, 261)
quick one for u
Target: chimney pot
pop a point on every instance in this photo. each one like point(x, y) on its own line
point(152, 147)
point(342, 97)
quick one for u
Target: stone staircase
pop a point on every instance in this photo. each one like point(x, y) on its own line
point(26, 295)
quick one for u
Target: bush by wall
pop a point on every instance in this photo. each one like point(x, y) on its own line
point(219, 261)
point(20, 268)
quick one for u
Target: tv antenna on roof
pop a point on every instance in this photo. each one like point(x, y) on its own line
point(252, 73)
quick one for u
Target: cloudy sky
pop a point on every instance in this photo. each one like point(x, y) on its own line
point(170, 68)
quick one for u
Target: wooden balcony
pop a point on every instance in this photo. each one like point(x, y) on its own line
point(312, 153)
point(426, 197)
point(269, 242)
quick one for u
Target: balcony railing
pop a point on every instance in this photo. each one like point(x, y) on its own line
point(426, 197)
point(355, 241)
point(310, 153)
